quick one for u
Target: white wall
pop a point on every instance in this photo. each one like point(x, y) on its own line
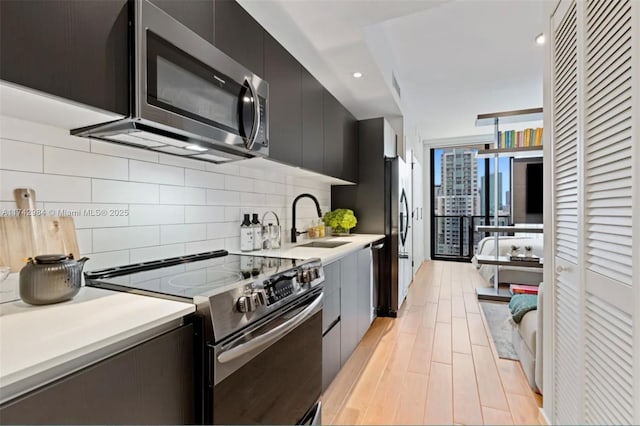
point(176, 206)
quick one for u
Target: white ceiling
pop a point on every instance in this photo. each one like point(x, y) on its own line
point(452, 59)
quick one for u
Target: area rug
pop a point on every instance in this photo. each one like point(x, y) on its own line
point(501, 327)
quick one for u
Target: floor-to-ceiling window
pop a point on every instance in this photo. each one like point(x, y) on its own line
point(462, 196)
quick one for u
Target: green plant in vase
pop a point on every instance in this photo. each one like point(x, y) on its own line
point(340, 220)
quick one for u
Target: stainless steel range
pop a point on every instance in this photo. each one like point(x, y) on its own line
point(262, 330)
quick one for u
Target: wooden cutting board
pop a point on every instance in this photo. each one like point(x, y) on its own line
point(27, 236)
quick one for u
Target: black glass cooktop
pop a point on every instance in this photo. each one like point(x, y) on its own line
point(188, 276)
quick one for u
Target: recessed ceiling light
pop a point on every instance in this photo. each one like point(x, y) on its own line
point(196, 148)
point(357, 74)
point(540, 39)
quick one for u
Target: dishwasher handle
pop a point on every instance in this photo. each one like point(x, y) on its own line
point(271, 335)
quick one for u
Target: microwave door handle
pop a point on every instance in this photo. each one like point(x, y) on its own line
point(271, 335)
point(256, 115)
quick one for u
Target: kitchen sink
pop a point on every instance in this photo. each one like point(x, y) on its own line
point(324, 244)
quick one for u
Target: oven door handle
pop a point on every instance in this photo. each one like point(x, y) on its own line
point(271, 335)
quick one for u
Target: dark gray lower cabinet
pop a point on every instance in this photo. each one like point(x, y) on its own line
point(364, 303)
point(330, 355)
point(152, 383)
point(348, 306)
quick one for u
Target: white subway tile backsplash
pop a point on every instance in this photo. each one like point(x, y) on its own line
point(110, 191)
point(252, 199)
point(182, 195)
point(141, 171)
point(171, 234)
point(204, 179)
point(236, 183)
point(47, 187)
point(232, 214)
point(155, 214)
point(21, 156)
point(218, 197)
point(155, 253)
point(84, 240)
point(224, 168)
point(203, 214)
point(116, 150)
point(75, 163)
point(28, 131)
point(86, 215)
point(188, 163)
point(223, 230)
point(203, 246)
point(109, 239)
point(106, 260)
point(156, 205)
point(267, 187)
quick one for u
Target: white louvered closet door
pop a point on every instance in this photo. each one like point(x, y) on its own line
point(608, 164)
point(567, 383)
point(595, 63)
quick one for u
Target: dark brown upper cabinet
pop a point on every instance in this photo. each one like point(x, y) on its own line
point(197, 15)
point(77, 50)
point(283, 73)
point(333, 135)
point(312, 123)
point(239, 35)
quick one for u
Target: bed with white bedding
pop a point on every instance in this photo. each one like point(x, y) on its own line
point(510, 274)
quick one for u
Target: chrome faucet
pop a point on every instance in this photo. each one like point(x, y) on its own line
point(294, 232)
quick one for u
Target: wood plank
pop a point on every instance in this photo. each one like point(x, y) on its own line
point(512, 377)
point(460, 336)
point(444, 311)
point(412, 319)
point(523, 409)
point(471, 303)
point(442, 344)
point(439, 404)
point(489, 383)
point(492, 416)
point(466, 403)
point(477, 332)
point(430, 315)
point(382, 407)
point(412, 401)
point(457, 306)
point(420, 361)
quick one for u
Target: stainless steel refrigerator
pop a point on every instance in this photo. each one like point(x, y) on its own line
point(382, 203)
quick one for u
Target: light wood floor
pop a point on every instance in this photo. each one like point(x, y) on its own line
point(434, 364)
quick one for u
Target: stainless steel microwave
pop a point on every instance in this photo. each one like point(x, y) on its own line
point(187, 98)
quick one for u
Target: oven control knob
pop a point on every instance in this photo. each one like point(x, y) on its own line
point(243, 304)
point(258, 298)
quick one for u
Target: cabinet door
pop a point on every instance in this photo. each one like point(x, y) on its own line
point(239, 35)
point(312, 123)
point(348, 306)
point(197, 15)
point(152, 383)
point(331, 308)
point(283, 73)
point(349, 147)
point(333, 135)
point(330, 356)
point(73, 49)
point(364, 292)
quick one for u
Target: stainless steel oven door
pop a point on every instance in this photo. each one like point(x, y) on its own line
point(271, 374)
point(184, 83)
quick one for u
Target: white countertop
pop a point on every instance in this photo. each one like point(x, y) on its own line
point(327, 255)
point(39, 344)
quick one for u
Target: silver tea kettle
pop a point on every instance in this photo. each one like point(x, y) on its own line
point(51, 278)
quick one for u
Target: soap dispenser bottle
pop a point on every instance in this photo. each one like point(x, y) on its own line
point(257, 232)
point(246, 234)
